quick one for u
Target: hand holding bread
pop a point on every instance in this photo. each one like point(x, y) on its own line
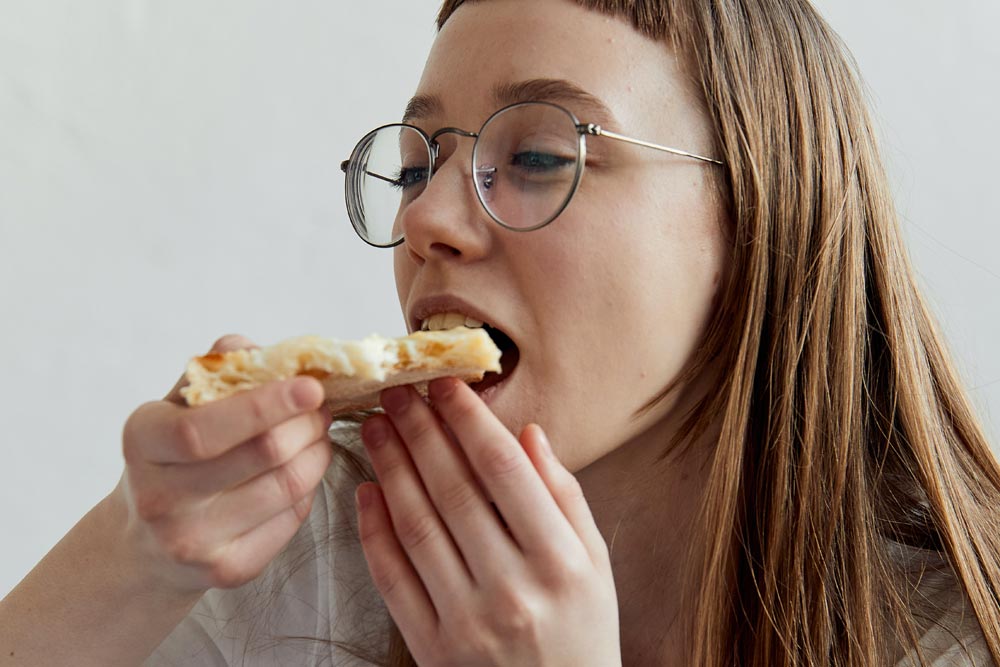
point(215, 492)
point(221, 473)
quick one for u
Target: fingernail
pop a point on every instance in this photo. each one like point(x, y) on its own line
point(303, 393)
point(442, 388)
point(395, 400)
point(544, 441)
point(374, 432)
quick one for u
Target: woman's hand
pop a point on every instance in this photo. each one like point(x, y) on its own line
point(215, 492)
point(463, 587)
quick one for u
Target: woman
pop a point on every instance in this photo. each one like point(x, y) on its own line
point(719, 333)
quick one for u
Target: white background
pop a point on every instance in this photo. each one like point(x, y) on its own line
point(169, 173)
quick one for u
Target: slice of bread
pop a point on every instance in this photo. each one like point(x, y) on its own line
point(352, 372)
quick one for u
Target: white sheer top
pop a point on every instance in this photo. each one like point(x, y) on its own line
point(319, 587)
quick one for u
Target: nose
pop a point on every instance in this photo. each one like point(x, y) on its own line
point(446, 220)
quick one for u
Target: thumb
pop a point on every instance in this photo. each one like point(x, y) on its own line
point(221, 346)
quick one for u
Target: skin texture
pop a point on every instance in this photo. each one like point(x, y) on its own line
point(607, 305)
point(463, 587)
point(209, 496)
point(638, 251)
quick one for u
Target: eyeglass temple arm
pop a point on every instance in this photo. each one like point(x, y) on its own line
point(598, 131)
point(346, 163)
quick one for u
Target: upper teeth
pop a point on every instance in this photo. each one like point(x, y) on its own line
point(448, 321)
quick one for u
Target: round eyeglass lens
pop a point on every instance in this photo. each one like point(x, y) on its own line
point(527, 164)
point(388, 169)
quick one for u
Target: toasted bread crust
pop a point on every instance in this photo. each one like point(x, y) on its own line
point(352, 372)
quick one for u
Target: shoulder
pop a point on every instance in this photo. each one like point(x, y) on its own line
point(951, 635)
point(955, 640)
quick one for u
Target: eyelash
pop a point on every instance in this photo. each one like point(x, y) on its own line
point(554, 161)
point(404, 172)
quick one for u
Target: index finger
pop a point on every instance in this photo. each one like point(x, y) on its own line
point(187, 435)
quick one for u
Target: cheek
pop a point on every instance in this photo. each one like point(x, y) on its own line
point(642, 284)
point(682, 274)
point(404, 272)
point(642, 267)
point(619, 306)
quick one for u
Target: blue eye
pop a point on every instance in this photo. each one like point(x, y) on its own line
point(534, 161)
point(409, 177)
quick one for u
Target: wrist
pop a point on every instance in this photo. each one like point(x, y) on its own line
point(138, 569)
point(93, 584)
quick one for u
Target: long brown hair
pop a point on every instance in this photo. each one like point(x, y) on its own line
point(846, 433)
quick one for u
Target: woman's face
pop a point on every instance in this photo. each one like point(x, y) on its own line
point(608, 302)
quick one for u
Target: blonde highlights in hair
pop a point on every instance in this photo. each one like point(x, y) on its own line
point(847, 439)
point(846, 434)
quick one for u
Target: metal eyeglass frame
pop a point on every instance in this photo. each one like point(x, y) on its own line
point(583, 131)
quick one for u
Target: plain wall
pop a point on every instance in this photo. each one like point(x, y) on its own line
point(169, 173)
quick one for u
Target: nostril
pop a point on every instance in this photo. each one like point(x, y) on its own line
point(445, 249)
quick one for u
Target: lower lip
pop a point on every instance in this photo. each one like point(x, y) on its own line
point(509, 362)
point(489, 394)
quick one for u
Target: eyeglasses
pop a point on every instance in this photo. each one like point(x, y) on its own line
point(527, 162)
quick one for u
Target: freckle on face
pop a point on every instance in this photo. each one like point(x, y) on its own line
point(625, 273)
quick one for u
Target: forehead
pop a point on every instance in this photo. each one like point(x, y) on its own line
point(493, 52)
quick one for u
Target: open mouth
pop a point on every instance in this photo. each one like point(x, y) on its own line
point(509, 357)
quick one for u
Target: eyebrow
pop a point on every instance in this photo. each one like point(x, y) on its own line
point(532, 90)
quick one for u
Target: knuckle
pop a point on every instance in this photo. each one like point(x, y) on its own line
point(570, 489)
point(458, 498)
point(230, 573)
point(421, 434)
point(291, 482)
point(302, 508)
point(182, 546)
point(152, 504)
point(320, 429)
point(463, 411)
point(472, 630)
point(516, 616)
point(566, 570)
point(414, 531)
point(269, 450)
point(393, 466)
point(257, 407)
point(188, 438)
point(319, 455)
point(386, 579)
point(326, 452)
point(500, 463)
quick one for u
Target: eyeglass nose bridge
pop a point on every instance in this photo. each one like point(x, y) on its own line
point(484, 176)
point(487, 174)
point(433, 139)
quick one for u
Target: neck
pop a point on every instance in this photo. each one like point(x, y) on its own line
point(644, 509)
